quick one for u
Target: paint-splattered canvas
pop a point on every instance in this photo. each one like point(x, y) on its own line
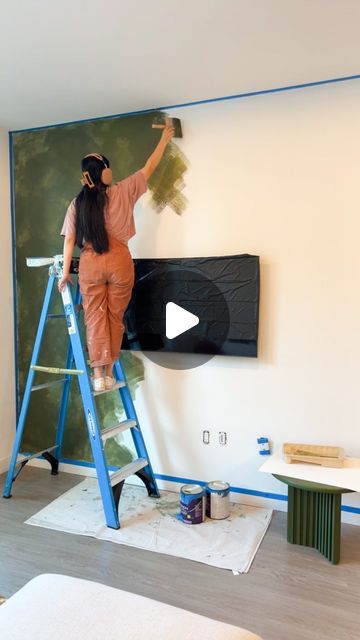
point(46, 172)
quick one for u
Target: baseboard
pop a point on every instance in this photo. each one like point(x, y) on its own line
point(4, 464)
point(65, 467)
point(169, 483)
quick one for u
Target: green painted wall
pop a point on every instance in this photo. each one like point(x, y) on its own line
point(46, 178)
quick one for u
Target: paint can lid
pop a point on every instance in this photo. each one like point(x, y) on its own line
point(191, 488)
point(218, 485)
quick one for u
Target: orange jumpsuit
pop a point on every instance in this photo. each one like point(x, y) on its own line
point(106, 280)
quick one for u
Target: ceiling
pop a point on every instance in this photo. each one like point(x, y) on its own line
point(76, 59)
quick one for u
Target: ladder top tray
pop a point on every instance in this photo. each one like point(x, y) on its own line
point(42, 261)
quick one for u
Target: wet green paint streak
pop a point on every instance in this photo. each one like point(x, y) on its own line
point(46, 178)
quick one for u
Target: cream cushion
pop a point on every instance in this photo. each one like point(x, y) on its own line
point(56, 606)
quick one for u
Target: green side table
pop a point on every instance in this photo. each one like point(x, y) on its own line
point(314, 515)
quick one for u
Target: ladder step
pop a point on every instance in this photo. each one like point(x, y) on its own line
point(118, 385)
point(57, 370)
point(21, 458)
point(36, 387)
point(128, 470)
point(51, 316)
point(110, 432)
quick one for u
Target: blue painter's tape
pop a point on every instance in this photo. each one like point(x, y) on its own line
point(82, 463)
point(249, 492)
point(77, 463)
point(236, 96)
point(264, 446)
point(177, 479)
point(13, 258)
point(347, 509)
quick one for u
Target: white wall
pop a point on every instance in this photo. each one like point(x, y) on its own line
point(7, 372)
point(277, 176)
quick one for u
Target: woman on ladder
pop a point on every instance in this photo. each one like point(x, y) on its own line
point(100, 222)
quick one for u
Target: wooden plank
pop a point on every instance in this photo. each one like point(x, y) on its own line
point(313, 450)
point(326, 456)
point(324, 462)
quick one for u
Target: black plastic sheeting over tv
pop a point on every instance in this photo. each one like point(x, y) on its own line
point(223, 292)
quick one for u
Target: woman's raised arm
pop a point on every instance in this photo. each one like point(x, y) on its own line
point(158, 153)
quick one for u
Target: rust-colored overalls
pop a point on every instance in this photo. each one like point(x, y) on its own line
point(106, 282)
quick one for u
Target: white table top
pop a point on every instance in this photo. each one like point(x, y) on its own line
point(348, 477)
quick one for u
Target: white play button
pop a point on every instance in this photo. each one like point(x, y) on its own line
point(178, 320)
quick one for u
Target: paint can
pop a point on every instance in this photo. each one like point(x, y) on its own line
point(192, 504)
point(218, 500)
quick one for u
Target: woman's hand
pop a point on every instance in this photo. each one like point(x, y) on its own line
point(168, 131)
point(69, 243)
point(64, 280)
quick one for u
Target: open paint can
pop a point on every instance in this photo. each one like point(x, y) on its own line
point(218, 500)
point(192, 504)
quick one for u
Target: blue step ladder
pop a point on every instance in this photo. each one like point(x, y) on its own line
point(110, 483)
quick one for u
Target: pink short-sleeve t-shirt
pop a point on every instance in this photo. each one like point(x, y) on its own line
point(119, 211)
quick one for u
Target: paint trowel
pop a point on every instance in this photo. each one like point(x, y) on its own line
point(160, 122)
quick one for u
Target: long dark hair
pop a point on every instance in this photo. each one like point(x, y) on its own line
point(89, 205)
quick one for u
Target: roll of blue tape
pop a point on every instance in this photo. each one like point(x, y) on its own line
point(264, 446)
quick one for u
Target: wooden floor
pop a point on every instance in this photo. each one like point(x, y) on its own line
point(290, 593)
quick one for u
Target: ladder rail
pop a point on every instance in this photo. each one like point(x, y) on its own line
point(60, 427)
point(28, 387)
point(90, 412)
point(136, 433)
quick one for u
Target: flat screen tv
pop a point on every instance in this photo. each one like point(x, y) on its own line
point(222, 292)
